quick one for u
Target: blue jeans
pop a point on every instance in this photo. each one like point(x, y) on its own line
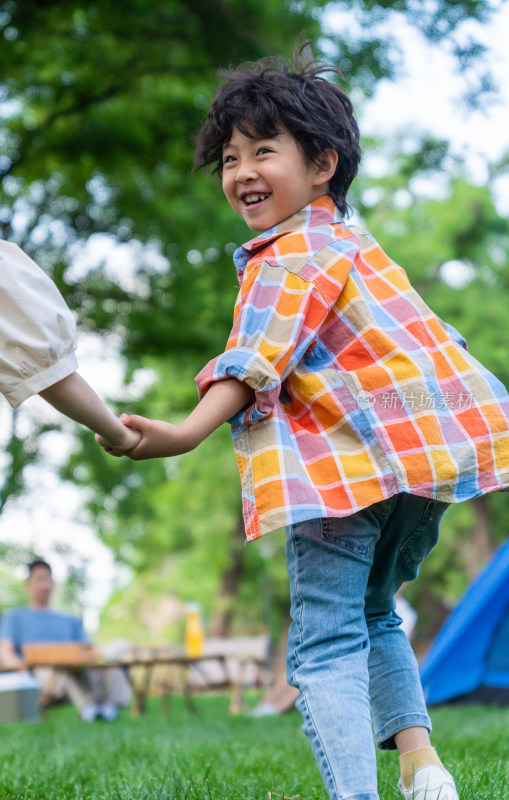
point(347, 655)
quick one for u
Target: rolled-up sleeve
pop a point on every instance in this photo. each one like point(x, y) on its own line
point(276, 320)
point(37, 329)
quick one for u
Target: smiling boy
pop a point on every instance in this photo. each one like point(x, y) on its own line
point(268, 180)
point(357, 417)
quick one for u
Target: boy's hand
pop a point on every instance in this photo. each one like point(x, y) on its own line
point(156, 439)
point(160, 439)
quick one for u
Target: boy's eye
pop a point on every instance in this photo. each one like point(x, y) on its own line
point(228, 159)
point(262, 150)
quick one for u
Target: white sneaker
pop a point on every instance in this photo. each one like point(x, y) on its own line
point(89, 712)
point(263, 710)
point(107, 711)
point(430, 783)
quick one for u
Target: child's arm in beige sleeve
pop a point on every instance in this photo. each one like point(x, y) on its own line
point(75, 398)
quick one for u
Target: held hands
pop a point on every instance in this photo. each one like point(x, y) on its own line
point(129, 439)
point(152, 439)
point(159, 439)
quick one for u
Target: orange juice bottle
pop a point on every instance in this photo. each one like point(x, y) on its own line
point(194, 631)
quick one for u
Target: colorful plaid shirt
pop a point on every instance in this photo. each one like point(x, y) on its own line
point(361, 392)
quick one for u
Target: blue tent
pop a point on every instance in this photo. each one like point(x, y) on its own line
point(471, 650)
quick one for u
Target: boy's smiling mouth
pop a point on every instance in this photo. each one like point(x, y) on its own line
point(254, 198)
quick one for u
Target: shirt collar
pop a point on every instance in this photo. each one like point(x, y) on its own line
point(319, 212)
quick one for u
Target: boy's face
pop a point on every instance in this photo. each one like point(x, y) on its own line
point(267, 180)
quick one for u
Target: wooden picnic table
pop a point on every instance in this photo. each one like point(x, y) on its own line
point(179, 673)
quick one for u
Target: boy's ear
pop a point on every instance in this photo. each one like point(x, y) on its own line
point(326, 166)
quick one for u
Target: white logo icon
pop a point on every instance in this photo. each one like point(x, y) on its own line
point(366, 399)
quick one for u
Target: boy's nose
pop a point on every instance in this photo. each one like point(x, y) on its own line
point(245, 173)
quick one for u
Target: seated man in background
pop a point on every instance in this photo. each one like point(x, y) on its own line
point(96, 693)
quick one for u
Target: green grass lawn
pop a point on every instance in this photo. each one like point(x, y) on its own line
point(216, 756)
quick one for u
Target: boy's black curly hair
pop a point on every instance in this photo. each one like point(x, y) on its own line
point(263, 97)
